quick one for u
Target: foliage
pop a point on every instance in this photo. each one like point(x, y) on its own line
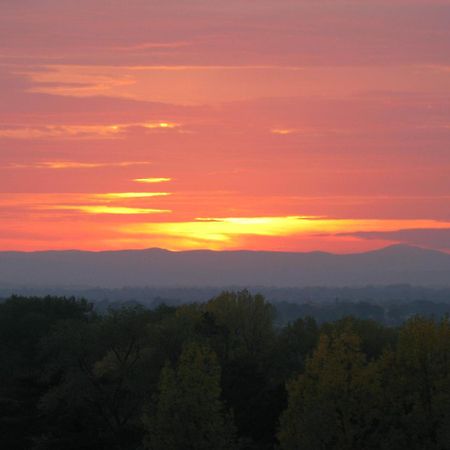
point(331, 405)
point(219, 375)
point(24, 322)
point(189, 412)
point(416, 381)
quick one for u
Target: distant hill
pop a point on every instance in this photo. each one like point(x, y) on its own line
point(157, 267)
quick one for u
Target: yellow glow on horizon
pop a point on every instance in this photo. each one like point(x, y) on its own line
point(222, 233)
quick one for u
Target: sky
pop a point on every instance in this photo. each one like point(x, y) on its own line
point(285, 125)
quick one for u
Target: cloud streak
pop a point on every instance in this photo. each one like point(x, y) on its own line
point(427, 237)
point(212, 84)
point(152, 180)
point(130, 195)
point(73, 165)
point(80, 132)
point(143, 46)
point(106, 209)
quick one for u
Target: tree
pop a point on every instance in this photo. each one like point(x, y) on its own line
point(295, 342)
point(24, 323)
point(249, 321)
point(242, 333)
point(99, 375)
point(374, 337)
point(330, 405)
point(416, 387)
point(189, 413)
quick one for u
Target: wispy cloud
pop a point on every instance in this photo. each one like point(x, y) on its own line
point(60, 131)
point(283, 131)
point(311, 131)
point(130, 195)
point(435, 238)
point(76, 131)
point(101, 203)
point(61, 165)
point(153, 46)
point(160, 125)
point(152, 180)
point(105, 209)
point(213, 84)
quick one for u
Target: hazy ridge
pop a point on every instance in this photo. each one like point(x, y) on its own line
point(157, 267)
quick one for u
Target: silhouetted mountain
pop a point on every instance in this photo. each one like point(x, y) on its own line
point(157, 267)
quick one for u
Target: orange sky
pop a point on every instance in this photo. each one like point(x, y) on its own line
point(291, 125)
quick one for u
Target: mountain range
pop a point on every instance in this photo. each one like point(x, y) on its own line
point(158, 267)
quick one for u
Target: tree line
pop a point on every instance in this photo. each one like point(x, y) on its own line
point(218, 375)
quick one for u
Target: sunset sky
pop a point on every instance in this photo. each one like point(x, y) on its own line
point(290, 125)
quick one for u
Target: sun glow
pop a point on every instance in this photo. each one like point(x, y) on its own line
point(231, 232)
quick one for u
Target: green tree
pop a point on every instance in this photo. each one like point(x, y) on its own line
point(24, 324)
point(99, 374)
point(330, 406)
point(241, 331)
point(295, 342)
point(374, 337)
point(249, 321)
point(416, 381)
point(189, 414)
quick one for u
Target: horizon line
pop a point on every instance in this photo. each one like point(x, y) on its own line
point(73, 250)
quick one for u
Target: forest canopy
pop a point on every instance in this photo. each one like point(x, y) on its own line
point(224, 374)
